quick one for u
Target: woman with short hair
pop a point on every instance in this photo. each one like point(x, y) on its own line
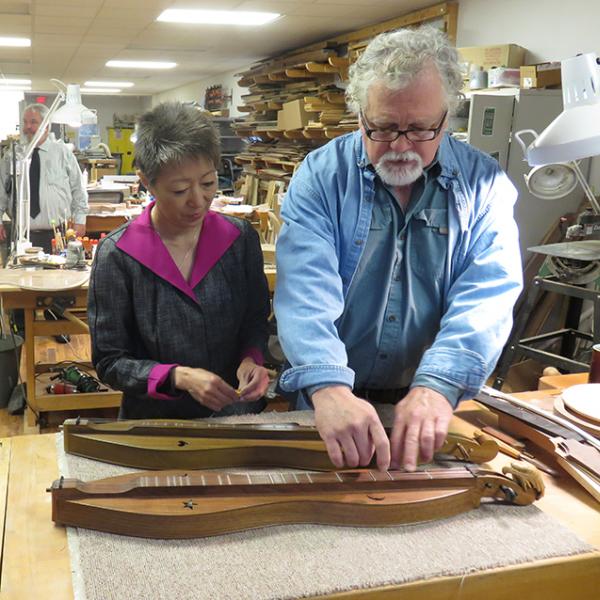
point(178, 301)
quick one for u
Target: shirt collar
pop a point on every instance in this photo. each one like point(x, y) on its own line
point(141, 241)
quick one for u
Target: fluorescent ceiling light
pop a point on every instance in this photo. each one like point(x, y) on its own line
point(100, 90)
point(12, 41)
point(108, 84)
point(140, 64)
point(216, 17)
point(4, 81)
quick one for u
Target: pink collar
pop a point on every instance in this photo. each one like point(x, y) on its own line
point(141, 241)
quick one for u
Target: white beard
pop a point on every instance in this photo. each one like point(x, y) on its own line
point(405, 174)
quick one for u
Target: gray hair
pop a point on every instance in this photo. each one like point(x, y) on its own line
point(396, 58)
point(170, 133)
point(40, 109)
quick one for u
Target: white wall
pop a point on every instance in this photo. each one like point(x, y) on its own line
point(549, 29)
point(195, 91)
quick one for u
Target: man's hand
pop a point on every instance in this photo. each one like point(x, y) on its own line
point(79, 229)
point(2, 233)
point(420, 427)
point(205, 387)
point(254, 380)
point(350, 428)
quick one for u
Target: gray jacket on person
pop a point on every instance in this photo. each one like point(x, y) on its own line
point(142, 317)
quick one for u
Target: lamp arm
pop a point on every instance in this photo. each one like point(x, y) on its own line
point(586, 188)
point(22, 180)
point(518, 135)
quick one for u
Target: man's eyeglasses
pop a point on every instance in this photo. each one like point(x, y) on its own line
point(391, 135)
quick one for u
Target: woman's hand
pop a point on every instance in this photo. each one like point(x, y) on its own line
point(254, 380)
point(205, 387)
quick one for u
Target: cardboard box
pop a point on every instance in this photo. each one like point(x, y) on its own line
point(293, 116)
point(504, 55)
point(540, 76)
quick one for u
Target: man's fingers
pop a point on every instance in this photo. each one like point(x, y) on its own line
point(381, 445)
point(334, 451)
point(410, 449)
point(364, 447)
point(349, 449)
point(440, 432)
point(396, 444)
point(427, 441)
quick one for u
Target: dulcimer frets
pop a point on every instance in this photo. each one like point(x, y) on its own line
point(185, 504)
point(231, 483)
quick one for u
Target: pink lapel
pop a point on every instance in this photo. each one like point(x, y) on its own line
point(218, 234)
point(141, 242)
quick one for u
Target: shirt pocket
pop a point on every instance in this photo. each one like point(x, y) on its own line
point(428, 245)
point(381, 217)
point(433, 220)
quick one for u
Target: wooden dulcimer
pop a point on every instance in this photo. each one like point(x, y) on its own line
point(187, 504)
point(172, 444)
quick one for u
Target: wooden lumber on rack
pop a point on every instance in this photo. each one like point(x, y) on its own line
point(315, 75)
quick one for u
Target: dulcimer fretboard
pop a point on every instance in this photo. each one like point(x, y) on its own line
point(213, 482)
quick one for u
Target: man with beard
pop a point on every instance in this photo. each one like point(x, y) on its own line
point(398, 264)
point(56, 191)
point(56, 183)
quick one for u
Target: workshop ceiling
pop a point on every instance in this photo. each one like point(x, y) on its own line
point(71, 40)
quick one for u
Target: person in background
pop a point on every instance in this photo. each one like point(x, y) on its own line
point(57, 192)
point(398, 262)
point(178, 300)
point(56, 183)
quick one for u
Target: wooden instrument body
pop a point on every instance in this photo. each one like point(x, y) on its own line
point(186, 504)
point(171, 444)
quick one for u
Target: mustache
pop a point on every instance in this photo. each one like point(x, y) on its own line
point(408, 155)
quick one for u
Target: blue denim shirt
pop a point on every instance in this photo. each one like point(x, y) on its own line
point(327, 215)
point(394, 305)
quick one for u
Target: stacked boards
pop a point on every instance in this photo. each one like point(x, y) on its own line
point(310, 82)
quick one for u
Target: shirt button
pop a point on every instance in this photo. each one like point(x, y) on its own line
point(359, 242)
point(392, 318)
point(397, 278)
point(402, 236)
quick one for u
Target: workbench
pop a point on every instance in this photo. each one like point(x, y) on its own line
point(36, 560)
point(38, 401)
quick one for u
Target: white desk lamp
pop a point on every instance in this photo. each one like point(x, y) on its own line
point(73, 113)
point(573, 135)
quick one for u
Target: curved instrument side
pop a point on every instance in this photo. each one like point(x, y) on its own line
point(189, 517)
point(175, 504)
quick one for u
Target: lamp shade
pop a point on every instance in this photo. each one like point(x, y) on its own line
point(550, 182)
point(575, 133)
point(72, 112)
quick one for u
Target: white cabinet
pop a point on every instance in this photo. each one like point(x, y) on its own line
point(493, 118)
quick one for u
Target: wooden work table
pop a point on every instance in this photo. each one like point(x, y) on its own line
point(35, 561)
point(32, 300)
